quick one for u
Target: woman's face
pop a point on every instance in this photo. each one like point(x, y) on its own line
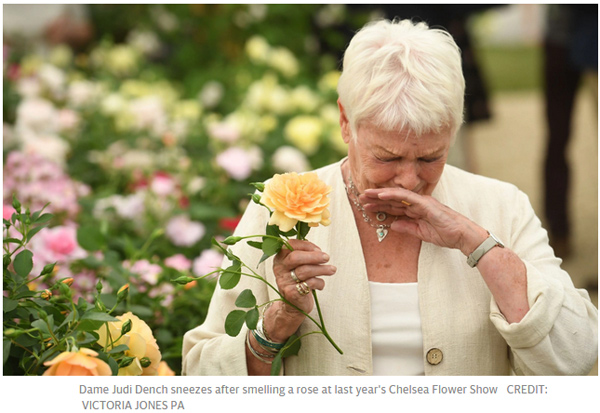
point(383, 159)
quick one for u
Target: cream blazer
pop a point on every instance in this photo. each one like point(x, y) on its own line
point(461, 324)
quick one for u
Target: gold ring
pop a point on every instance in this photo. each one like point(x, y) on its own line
point(302, 288)
point(294, 276)
point(406, 203)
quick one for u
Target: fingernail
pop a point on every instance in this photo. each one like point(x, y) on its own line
point(325, 257)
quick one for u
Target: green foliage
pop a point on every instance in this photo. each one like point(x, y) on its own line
point(39, 325)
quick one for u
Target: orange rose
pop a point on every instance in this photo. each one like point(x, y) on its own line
point(294, 197)
point(81, 363)
point(140, 341)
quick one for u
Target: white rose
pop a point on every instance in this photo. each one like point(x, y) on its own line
point(289, 159)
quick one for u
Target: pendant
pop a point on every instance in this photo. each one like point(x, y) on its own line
point(381, 233)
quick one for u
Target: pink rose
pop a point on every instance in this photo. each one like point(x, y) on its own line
point(207, 262)
point(183, 232)
point(162, 184)
point(147, 271)
point(7, 211)
point(179, 262)
point(236, 162)
point(58, 244)
point(225, 132)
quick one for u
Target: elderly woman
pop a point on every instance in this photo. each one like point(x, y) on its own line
point(425, 269)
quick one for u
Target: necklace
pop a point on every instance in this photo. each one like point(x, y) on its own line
point(380, 229)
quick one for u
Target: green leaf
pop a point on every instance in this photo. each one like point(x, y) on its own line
point(12, 240)
point(89, 325)
point(23, 263)
point(292, 232)
point(98, 316)
point(293, 349)
point(41, 325)
point(246, 299)
point(8, 304)
point(71, 317)
point(271, 246)
point(231, 276)
point(90, 238)
point(34, 231)
point(303, 229)
point(255, 244)
point(234, 322)
point(6, 351)
point(218, 245)
point(42, 219)
point(118, 349)
point(25, 294)
point(273, 230)
point(252, 318)
point(276, 365)
point(114, 367)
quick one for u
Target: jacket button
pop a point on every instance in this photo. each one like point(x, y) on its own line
point(434, 356)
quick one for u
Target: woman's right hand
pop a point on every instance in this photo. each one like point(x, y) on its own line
point(308, 263)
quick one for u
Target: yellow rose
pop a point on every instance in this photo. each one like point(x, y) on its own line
point(284, 61)
point(294, 197)
point(140, 341)
point(257, 49)
point(80, 363)
point(305, 133)
point(328, 83)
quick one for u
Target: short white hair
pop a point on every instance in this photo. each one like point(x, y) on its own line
point(403, 76)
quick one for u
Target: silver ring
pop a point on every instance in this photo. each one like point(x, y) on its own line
point(294, 276)
point(302, 288)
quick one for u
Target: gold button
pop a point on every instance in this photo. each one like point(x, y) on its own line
point(434, 356)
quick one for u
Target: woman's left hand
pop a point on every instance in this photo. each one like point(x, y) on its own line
point(425, 218)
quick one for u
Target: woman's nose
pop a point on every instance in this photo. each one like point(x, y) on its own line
point(407, 175)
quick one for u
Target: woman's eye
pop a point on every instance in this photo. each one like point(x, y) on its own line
point(429, 160)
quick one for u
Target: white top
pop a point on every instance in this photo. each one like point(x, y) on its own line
point(396, 335)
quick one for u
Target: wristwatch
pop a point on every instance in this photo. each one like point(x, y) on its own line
point(491, 242)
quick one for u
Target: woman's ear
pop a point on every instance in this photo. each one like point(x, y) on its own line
point(344, 123)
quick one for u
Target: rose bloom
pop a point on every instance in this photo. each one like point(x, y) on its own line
point(207, 262)
point(294, 197)
point(289, 159)
point(7, 211)
point(183, 232)
point(81, 363)
point(147, 271)
point(58, 244)
point(236, 162)
point(140, 341)
point(178, 262)
point(305, 133)
point(162, 184)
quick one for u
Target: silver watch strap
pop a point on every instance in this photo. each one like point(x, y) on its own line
point(482, 249)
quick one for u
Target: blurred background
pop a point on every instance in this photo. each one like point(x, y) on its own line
point(143, 125)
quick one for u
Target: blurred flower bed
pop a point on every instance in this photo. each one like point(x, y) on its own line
point(140, 168)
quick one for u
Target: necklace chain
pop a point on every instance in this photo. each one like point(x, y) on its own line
point(381, 229)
